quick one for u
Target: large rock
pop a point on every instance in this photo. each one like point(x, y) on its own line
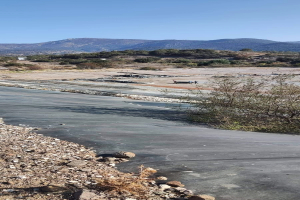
point(77, 163)
point(123, 154)
point(175, 184)
point(202, 197)
point(162, 178)
point(207, 197)
point(180, 189)
point(86, 195)
point(164, 186)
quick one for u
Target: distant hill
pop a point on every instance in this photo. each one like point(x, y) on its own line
point(97, 44)
point(223, 44)
point(70, 46)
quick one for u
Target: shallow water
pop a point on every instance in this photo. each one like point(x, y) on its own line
point(226, 164)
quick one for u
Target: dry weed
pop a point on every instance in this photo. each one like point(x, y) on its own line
point(128, 184)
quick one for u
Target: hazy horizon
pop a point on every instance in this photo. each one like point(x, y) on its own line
point(141, 39)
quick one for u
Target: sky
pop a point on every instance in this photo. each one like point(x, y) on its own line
point(34, 21)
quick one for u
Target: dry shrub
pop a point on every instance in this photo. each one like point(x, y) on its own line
point(58, 68)
point(13, 64)
point(95, 65)
point(64, 67)
point(151, 68)
point(15, 68)
point(266, 105)
point(34, 67)
point(128, 184)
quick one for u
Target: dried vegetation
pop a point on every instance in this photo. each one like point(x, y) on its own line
point(266, 104)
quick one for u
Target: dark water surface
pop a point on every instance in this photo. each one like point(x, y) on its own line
point(227, 164)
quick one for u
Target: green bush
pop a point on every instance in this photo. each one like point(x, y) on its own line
point(42, 60)
point(34, 67)
point(285, 59)
point(295, 62)
point(7, 58)
point(214, 62)
point(64, 63)
point(92, 65)
point(150, 68)
point(147, 60)
point(185, 61)
point(12, 64)
point(235, 62)
point(246, 49)
point(76, 61)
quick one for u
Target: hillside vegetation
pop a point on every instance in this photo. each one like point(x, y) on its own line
point(78, 45)
point(192, 58)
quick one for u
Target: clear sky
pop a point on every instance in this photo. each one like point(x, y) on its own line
point(31, 21)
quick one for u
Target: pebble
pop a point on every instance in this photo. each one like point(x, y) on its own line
point(77, 163)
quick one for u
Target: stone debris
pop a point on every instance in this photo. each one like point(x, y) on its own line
point(123, 154)
point(77, 163)
point(175, 184)
point(57, 86)
point(34, 166)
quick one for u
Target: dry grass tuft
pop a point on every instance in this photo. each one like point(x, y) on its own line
point(128, 184)
point(151, 68)
point(34, 67)
point(270, 104)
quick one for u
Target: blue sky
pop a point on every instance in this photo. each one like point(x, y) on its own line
point(34, 21)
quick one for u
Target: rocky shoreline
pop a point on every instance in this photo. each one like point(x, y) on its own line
point(71, 88)
point(34, 166)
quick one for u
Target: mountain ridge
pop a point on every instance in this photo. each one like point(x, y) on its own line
point(77, 45)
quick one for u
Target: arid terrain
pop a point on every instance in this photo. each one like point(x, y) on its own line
point(164, 72)
point(144, 78)
point(129, 80)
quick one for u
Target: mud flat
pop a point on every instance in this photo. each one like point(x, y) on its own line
point(167, 85)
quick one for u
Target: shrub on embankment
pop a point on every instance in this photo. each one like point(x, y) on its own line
point(265, 105)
